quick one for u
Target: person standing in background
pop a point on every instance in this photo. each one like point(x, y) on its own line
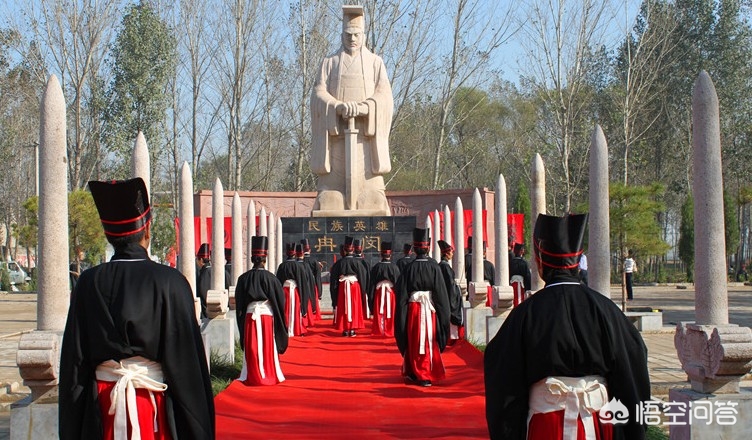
point(630, 267)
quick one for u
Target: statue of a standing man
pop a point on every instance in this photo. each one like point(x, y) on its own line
point(351, 114)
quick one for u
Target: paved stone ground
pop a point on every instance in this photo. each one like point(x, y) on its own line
point(18, 315)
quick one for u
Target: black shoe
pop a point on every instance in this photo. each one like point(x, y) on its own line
point(424, 383)
point(352, 333)
point(344, 333)
point(410, 378)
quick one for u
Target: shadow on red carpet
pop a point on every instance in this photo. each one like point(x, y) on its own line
point(343, 388)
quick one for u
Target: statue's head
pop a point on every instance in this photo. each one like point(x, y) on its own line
point(353, 28)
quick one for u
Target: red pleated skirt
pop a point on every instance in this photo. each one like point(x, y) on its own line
point(145, 413)
point(297, 325)
point(550, 425)
point(423, 366)
point(342, 323)
point(252, 371)
point(383, 324)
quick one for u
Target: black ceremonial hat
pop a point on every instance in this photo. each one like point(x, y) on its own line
point(445, 247)
point(299, 249)
point(357, 244)
point(259, 245)
point(228, 254)
point(306, 244)
point(203, 251)
point(290, 248)
point(123, 206)
point(386, 247)
point(407, 247)
point(558, 240)
point(420, 238)
point(348, 243)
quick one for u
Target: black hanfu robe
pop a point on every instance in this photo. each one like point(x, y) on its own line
point(565, 329)
point(454, 292)
point(422, 274)
point(383, 270)
point(130, 307)
point(291, 269)
point(349, 265)
point(258, 284)
point(316, 270)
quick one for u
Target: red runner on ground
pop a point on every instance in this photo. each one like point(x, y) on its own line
point(342, 388)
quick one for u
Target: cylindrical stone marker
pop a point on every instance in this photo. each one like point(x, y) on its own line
point(280, 242)
point(264, 224)
point(187, 243)
point(502, 234)
point(218, 237)
point(272, 239)
point(237, 240)
point(429, 228)
point(599, 235)
point(538, 199)
point(140, 162)
point(53, 294)
point(448, 226)
point(436, 235)
point(251, 232)
point(459, 239)
point(711, 295)
point(477, 264)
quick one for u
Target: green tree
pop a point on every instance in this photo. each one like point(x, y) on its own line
point(687, 237)
point(634, 219)
point(143, 61)
point(27, 235)
point(84, 228)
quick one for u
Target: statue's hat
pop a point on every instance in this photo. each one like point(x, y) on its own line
point(352, 18)
point(123, 206)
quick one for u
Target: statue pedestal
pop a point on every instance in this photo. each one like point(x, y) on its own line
point(351, 213)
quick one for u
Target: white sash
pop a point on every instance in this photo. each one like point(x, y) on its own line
point(348, 280)
point(257, 309)
point(423, 297)
point(577, 396)
point(292, 292)
point(383, 287)
point(129, 374)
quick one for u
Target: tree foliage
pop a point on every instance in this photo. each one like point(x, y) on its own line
point(84, 228)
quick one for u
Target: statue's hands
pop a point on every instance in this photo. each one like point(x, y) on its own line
point(351, 109)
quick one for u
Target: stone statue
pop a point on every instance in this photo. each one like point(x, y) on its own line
point(351, 115)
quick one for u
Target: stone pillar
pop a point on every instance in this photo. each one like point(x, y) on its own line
point(538, 199)
point(280, 242)
point(140, 162)
point(272, 255)
point(436, 236)
point(187, 245)
point(217, 297)
point(251, 233)
point(448, 227)
point(38, 355)
point(599, 241)
point(429, 228)
point(503, 292)
point(459, 248)
point(237, 240)
point(714, 353)
point(263, 224)
point(478, 286)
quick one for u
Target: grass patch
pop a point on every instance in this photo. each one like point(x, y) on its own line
point(223, 371)
point(656, 433)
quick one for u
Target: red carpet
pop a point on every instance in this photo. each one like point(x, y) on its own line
point(339, 388)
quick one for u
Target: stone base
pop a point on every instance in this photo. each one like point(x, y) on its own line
point(476, 325)
point(493, 324)
point(646, 321)
point(477, 293)
point(35, 420)
point(504, 298)
point(220, 332)
point(351, 213)
point(684, 429)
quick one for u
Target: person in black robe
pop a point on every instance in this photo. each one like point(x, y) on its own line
point(204, 277)
point(315, 266)
point(334, 281)
point(258, 284)
point(384, 275)
point(290, 269)
point(132, 311)
point(358, 253)
point(563, 333)
point(407, 257)
point(519, 271)
point(453, 290)
point(489, 274)
point(308, 291)
point(346, 268)
point(419, 288)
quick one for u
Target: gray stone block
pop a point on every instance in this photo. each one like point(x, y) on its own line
point(220, 333)
point(685, 429)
